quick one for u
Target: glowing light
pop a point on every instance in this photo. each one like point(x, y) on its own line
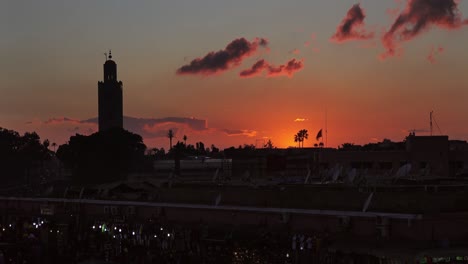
point(287, 255)
point(120, 230)
point(94, 227)
point(133, 233)
point(155, 236)
point(34, 224)
point(168, 235)
point(100, 226)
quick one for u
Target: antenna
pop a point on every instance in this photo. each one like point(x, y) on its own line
point(433, 120)
point(105, 55)
point(326, 128)
point(437, 125)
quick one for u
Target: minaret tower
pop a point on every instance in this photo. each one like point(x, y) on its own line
point(110, 99)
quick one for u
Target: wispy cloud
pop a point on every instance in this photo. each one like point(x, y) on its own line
point(434, 53)
point(417, 18)
point(63, 120)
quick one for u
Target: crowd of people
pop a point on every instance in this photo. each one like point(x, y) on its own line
point(40, 240)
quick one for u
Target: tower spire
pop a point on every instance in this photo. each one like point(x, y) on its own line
point(110, 97)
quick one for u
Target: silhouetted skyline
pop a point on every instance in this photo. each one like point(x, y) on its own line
point(377, 68)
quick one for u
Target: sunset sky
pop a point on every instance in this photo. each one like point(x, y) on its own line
point(375, 70)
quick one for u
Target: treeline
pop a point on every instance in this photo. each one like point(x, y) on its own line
point(104, 156)
point(22, 158)
point(385, 145)
point(101, 157)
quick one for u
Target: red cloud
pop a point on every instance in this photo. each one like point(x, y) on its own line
point(418, 16)
point(287, 69)
point(222, 60)
point(350, 27)
point(255, 70)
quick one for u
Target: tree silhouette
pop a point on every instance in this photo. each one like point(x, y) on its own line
point(170, 135)
point(302, 135)
point(297, 139)
point(104, 156)
point(21, 157)
point(185, 140)
point(54, 145)
point(305, 135)
point(46, 144)
point(269, 144)
point(214, 149)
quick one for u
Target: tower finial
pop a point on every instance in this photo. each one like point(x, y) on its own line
point(110, 54)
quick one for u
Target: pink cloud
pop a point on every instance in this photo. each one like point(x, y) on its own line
point(288, 69)
point(351, 27)
point(418, 17)
point(255, 70)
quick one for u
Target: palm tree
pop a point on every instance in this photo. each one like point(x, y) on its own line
point(301, 136)
point(170, 135)
point(54, 145)
point(185, 140)
point(297, 139)
point(304, 135)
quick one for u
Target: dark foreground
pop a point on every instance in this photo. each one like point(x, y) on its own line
point(40, 240)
